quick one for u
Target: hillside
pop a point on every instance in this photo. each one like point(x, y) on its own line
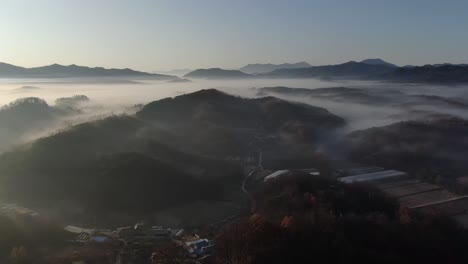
point(111, 166)
point(173, 152)
point(219, 123)
point(73, 71)
point(27, 116)
point(265, 68)
point(434, 150)
point(217, 73)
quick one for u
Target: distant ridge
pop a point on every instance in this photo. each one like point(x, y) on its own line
point(265, 68)
point(217, 73)
point(370, 69)
point(449, 64)
point(175, 72)
point(62, 71)
point(378, 62)
point(447, 73)
point(351, 69)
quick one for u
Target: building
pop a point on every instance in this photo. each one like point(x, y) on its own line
point(199, 248)
point(417, 195)
point(410, 189)
point(279, 173)
point(373, 177)
point(275, 174)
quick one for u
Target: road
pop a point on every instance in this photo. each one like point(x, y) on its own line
point(247, 178)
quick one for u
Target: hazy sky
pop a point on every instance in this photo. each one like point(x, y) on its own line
point(166, 34)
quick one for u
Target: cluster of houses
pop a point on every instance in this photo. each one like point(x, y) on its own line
point(135, 238)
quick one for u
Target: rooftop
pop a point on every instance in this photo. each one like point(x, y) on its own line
point(275, 174)
point(374, 176)
point(427, 198)
point(411, 189)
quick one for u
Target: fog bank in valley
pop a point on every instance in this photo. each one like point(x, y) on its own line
point(395, 101)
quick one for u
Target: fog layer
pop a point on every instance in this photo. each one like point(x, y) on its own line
point(384, 103)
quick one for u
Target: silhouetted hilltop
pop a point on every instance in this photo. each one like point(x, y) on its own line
point(24, 115)
point(265, 68)
point(212, 108)
point(71, 101)
point(62, 71)
point(25, 110)
point(217, 73)
point(32, 116)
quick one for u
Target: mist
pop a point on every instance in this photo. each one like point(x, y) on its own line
point(119, 96)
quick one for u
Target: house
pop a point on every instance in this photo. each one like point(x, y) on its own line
point(200, 247)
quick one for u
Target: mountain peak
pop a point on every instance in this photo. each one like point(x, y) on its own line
point(377, 61)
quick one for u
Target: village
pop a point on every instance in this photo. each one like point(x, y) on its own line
point(139, 243)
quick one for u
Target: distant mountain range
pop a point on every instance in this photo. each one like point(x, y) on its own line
point(350, 70)
point(217, 73)
point(265, 68)
point(62, 71)
point(369, 69)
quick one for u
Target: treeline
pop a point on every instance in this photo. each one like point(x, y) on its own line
point(301, 219)
point(112, 165)
point(25, 241)
point(432, 150)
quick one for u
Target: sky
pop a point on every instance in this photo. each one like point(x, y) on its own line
point(153, 35)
